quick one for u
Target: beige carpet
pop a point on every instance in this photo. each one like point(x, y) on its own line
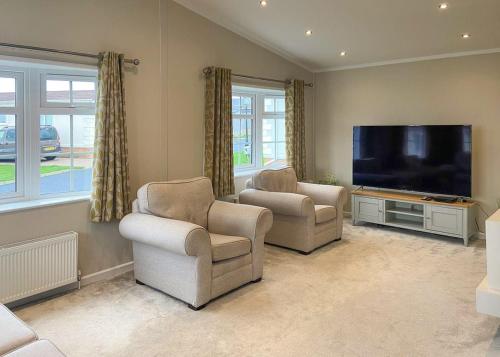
point(378, 292)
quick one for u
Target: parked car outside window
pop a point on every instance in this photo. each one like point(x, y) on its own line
point(49, 142)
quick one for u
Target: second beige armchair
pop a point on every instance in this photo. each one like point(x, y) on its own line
point(306, 216)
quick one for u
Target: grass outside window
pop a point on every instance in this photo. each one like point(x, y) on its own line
point(8, 171)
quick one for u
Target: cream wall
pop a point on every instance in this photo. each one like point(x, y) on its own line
point(194, 43)
point(128, 26)
point(164, 96)
point(463, 90)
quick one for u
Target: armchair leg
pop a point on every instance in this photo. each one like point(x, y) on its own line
point(196, 308)
point(139, 282)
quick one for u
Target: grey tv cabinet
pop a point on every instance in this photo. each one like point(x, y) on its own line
point(412, 212)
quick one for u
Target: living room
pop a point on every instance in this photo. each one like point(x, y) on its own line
point(364, 287)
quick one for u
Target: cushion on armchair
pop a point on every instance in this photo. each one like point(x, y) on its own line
point(184, 200)
point(282, 180)
point(227, 247)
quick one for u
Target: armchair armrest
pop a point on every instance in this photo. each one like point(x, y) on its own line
point(239, 220)
point(284, 203)
point(178, 237)
point(324, 194)
point(244, 221)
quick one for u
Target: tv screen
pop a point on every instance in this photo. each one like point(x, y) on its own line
point(422, 158)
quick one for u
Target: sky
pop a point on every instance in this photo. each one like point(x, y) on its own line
point(7, 85)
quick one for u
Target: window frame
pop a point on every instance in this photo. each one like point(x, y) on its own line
point(64, 76)
point(32, 103)
point(274, 96)
point(259, 113)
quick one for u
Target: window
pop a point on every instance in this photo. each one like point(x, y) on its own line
point(47, 126)
point(258, 128)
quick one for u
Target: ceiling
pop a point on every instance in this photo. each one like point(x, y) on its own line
point(371, 31)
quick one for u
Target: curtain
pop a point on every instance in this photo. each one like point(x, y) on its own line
point(219, 131)
point(110, 181)
point(296, 128)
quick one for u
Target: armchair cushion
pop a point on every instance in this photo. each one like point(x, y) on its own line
point(282, 180)
point(227, 247)
point(324, 213)
point(183, 200)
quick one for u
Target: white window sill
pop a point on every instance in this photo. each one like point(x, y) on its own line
point(46, 202)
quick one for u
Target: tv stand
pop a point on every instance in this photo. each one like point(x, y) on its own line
point(415, 212)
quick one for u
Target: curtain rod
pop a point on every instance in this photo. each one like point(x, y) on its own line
point(208, 70)
point(134, 61)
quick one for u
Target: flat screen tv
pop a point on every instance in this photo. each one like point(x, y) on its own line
point(432, 159)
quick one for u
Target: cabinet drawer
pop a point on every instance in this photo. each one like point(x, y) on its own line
point(444, 220)
point(369, 209)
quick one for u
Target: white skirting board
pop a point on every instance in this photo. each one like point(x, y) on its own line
point(107, 274)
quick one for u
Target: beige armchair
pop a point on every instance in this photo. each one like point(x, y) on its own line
point(306, 216)
point(192, 247)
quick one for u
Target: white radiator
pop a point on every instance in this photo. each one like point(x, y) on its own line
point(38, 266)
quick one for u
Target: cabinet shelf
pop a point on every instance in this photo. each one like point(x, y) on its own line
point(406, 211)
point(406, 219)
point(404, 223)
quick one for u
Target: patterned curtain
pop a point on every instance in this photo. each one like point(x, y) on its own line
point(296, 128)
point(110, 181)
point(219, 131)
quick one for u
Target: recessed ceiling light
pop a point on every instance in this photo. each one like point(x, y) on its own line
point(465, 35)
point(343, 53)
point(443, 6)
point(263, 3)
point(309, 32)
